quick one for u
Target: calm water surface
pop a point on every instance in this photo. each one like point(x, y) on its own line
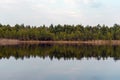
point(59, 62)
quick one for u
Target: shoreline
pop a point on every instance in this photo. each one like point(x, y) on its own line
point(93, 42)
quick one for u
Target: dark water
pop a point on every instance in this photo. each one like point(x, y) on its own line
point(59, 62)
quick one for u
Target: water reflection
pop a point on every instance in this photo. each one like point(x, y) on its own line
point(65, 51)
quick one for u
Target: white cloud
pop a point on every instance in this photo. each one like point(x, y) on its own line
point(70, 2)
point(80, 1)
point(53, 1)
point(8, 1)
point(89, 1)
point(56, 11)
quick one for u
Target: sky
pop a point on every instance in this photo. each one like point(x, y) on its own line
point(39, 12)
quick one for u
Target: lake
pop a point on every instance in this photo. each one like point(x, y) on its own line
point(59, 62)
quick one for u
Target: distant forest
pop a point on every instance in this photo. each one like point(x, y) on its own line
point(60, 32)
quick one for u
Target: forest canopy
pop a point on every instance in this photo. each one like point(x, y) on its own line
point(60, 32)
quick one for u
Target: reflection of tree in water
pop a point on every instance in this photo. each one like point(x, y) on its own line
point(60, 51)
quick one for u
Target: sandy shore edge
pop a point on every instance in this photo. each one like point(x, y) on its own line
point(94, 42)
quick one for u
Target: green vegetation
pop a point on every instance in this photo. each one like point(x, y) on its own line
point(60, 32)
point(60, 51)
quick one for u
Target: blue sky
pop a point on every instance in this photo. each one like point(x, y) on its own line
point(39, 12)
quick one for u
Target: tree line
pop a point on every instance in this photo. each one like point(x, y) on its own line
point(60, 32)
